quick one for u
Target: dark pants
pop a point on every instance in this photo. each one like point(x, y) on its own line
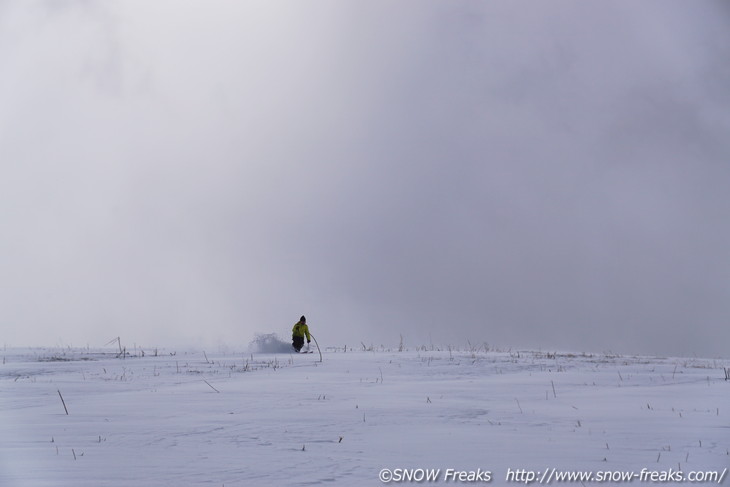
point(297, 343)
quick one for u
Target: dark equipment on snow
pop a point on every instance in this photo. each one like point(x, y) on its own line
point(315, 342)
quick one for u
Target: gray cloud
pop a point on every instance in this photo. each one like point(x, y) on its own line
point(530, 175)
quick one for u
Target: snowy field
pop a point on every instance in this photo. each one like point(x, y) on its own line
point(243, 419)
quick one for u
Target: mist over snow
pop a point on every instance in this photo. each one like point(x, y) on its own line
point(269, 343)
point(550, 175)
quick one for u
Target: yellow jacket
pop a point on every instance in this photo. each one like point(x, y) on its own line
point(301, 330)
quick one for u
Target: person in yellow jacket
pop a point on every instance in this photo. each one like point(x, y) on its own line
point(298, 333)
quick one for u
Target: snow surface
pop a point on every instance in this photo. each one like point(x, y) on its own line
point(245, 418)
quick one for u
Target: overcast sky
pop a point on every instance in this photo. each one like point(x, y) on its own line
point(550, 175)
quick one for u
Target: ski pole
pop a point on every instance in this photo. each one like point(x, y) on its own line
point(315, 342)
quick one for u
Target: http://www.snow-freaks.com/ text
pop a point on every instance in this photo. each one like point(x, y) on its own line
point(548, 476)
